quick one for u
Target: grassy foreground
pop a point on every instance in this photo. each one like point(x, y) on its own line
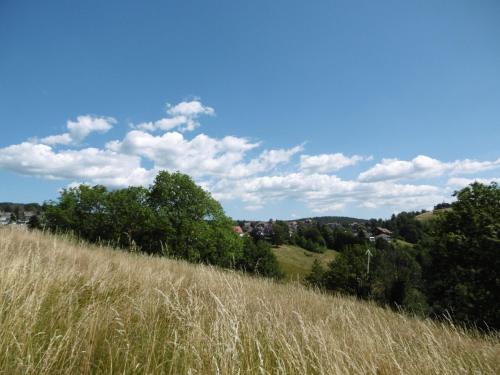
point(69, 308)
point(296, 262)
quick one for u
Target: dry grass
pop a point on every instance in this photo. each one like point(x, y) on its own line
point(68, 308)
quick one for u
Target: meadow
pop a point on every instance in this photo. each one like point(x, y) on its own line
point(67, 307)
point(296, 262)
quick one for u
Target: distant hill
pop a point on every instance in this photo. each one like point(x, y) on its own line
point(336, 219)
point(325, 219)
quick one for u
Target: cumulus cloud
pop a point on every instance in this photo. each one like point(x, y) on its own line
point(325, 193)
point(326, 163)
point(79, 130)
point(461, 182)
point(182, 116)
point(423, 167)
point(234, 168)
point(202, 155)
point(89, 164)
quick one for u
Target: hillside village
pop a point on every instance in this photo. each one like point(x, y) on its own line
point(264, 229)
point(7, 217)
point(18, 213)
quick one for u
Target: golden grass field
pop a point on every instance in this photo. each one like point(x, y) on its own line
point(72, 308)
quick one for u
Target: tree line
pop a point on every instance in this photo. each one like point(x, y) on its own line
point(452, 269)
point(173, 217)
point(448, 266)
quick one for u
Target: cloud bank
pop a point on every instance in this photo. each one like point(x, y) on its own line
point(236, 168)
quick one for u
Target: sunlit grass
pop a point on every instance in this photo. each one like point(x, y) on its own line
point(70, 308)
point(296, 262)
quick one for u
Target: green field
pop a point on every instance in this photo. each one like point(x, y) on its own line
point(426, 216)
point(296, 262)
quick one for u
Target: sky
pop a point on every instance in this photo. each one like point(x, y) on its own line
point(281, 109)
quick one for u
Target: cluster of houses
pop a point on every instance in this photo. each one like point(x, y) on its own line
point(7, 218)
point(264, 229)
point(371, 235)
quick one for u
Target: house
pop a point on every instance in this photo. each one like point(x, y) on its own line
point(380, 230)
point(4, 218)
point(292, 227)
point(237, 229)
point(28, 215)
point(247, 227)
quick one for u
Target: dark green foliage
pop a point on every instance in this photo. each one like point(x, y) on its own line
point(403, 225)
point(343, 239)
point(258, 259)
point(308, 244)
point(81, 210)
point(174, 217)
point(453, 270)
point(309, 237)
point(281, 233)
point(328, 237)
point(347, 273)
point(317, 276)
point(34, 222)
point(397, 278)
point(463, 276)
point(381, 244)
point(394, 278)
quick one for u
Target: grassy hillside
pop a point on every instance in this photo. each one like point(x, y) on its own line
point(69, 308)
point(296, 262)
point(429, 215)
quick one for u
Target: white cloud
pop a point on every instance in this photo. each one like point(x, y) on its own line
point(326, 163)
point(232, 168)
point(326, 193)
point(182, 116)
point(460, 182)
point(423, 167)
point(79, 130)
point(89, 164)
point(472, 166)
point(202, 155)
point(191, 109)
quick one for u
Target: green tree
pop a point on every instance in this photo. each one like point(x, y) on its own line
point(131, 222)
point(343, 239)
point(259, 259)
point(281, 233)
point(192, 217)
point(463, 277)
point(13, 218)
point(317, 275)
point(397, 278)
point(34, 222)
point(347, 273)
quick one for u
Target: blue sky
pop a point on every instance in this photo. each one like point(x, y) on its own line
point(281, 109)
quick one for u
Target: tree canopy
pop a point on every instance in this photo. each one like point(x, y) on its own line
point(174, 217)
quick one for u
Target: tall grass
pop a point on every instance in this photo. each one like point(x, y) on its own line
point(70, 308)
